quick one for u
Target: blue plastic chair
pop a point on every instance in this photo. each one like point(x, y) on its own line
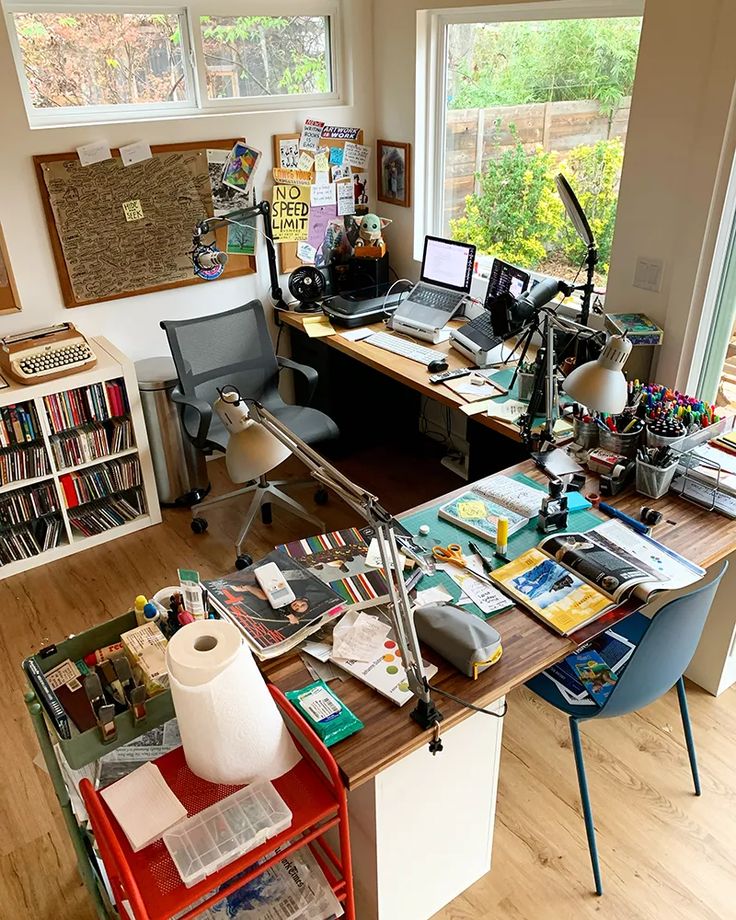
point(665, 646)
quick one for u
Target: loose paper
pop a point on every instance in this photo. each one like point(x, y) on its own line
point(509, 411)
point(241, 166)
point(144, 805)
point(373, 556)
point(319, 221)
point(345, 198)
point(305, 252)
point(225, 199)
point(355, 335)
point(133, 210)
point(291, 177)
point(305, 163)
point(360, 187)
point(135, 153)
point(311, 134)
point(322, 194)
point(359, 640)
point(241, 238)
point(336, 154)
point(322, 159)
point(438, 595)
point(317, 326)
point(95, 152)
point(341, 134)
point(487, 598)
point(322, 178)
point(288, 152)
point(341, 172)
point(290, 213)
point(356, 155)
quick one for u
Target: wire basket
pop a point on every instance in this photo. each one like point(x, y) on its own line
point(654, 481)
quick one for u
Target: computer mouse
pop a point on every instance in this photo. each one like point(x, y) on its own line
point(438, 364)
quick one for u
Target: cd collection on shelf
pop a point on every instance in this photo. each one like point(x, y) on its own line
point(92, 441)
point(23, 463)
point(18, 425)
point(30, 539)
point(108, 513)
point(24, 505)
point(101, 481)
point(94, 403)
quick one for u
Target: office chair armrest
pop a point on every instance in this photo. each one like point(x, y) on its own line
point(309, 373)
point(203, 410)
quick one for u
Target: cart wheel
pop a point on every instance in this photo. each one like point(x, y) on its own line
point(321, 496)
point(199, 525)
point(243, 561)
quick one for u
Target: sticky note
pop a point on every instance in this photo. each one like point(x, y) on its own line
point(133, 210)
point(336, 154)
point(305, 163)
point(316, 326)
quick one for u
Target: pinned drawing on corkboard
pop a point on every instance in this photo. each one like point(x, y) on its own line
point(117, 231)
point(9, 300)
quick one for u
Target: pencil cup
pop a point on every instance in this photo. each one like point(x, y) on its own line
point(620, 443)
point(660, 440)
point(654, 481)
point(585, 433)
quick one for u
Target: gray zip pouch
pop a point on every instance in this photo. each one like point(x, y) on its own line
point(462, 638)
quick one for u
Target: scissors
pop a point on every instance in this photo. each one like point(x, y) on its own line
point(452, 554)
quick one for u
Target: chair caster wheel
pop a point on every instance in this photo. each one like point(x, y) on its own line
point(321, 496)
point(243, 561)
point(199, 525)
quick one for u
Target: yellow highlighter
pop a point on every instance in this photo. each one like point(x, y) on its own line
point(502, 536)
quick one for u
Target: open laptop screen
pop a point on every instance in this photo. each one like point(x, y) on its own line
point(448, 264)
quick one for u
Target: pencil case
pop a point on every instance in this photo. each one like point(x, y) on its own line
point(462, 638)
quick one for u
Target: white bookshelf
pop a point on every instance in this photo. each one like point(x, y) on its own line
point(112, 364)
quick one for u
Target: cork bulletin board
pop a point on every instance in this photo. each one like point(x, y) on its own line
point(118, 231)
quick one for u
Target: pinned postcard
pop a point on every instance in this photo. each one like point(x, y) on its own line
point(288, 152)
point(135, 153)
point(345, 197)
point(336, 154)
point(290, 213)
point(360, 187)
point(319, 220)
point(241, 166)
point(322, 194)
point(291, 176)
point(225, 199)
point(322, 159)
point(305, 252)
point(241, 237)
point(341, 172)
point(311, 134)
point(305, 163)
point(341, 134)
point(95, 152)
point(356, 155)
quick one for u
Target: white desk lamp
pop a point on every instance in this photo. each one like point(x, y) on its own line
point(600, 385)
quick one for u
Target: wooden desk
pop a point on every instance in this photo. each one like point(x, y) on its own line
point(409, 373)
point(399, 795)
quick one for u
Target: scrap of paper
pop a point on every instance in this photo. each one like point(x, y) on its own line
point(437, 595)
point(135, 153)
point(359, 639)
point(509, 411)
point(305, 252)
point(95, 152)
point(336, 154)
point(321, 178)
point(290, 213)
point(356, 155)
point(322, 159)
point(317, 326)
point(345, 197)
point(355, 335)
point(291, 176)
point(340, 134)
point(487, 598)
point(341, 172)
point(322, 194)
point(288, 152)
point(373, 556)
point(133, 210)
point(311, 134)
point(305, 163)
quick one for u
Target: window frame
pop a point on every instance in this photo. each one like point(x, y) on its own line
point(197, 102)
point(431, 108)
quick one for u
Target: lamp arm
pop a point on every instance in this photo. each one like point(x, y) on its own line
point(368, 507)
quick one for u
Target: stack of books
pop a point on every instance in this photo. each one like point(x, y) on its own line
point(18, 425)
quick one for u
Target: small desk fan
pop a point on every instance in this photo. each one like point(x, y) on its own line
point(307, 285)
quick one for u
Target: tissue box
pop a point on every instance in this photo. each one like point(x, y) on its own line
point(145, 647)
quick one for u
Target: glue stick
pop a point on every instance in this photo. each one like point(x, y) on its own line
point(502, 536)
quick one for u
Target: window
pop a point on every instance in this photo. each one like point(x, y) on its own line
point(517, 102)
point(87, 64)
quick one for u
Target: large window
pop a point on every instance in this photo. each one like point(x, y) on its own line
point(80, 63)
point(522, 101)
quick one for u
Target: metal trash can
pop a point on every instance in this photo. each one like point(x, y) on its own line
point(180, 469)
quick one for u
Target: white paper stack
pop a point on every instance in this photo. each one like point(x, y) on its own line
point(143, 805)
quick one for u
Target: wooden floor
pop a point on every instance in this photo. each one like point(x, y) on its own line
point(664, 853)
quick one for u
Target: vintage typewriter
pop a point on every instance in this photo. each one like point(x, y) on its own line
point(45, 354)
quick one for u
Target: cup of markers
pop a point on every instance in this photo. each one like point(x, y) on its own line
point(670, 416)
point(620, 434)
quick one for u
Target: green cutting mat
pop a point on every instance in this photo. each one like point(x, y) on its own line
point(503, 378)
point(443, 532)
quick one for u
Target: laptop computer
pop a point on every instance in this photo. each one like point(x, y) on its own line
point(505, 285)
point(447, 271)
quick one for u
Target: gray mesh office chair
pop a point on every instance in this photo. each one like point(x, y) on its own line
point(235, 348)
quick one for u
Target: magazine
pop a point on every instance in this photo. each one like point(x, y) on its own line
point(273, 631)
point(613, 648)
point(339, 560)
point(569, 580)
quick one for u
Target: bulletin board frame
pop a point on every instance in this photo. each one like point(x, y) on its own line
point(288, 260)
point(237, 265)
point(9, 299)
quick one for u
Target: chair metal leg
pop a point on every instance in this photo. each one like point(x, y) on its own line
point(208, 503)
point(687, 728)
point(286, 501)
point(585, 799)
point(258, 499)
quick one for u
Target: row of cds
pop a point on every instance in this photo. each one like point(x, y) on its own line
point(30, 540)
point(104, 515)
point(93, 441)
point(100, 481)
point(96, 402)
point(23, 463)
point(24, 505)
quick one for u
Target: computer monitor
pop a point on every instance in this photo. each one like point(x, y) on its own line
point(448, 264)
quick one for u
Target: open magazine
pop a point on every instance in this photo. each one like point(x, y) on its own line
point(569, 580)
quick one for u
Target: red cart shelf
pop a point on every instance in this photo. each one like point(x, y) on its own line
point(149, 880)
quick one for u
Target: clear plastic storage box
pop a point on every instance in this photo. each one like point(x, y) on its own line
point(207, 841)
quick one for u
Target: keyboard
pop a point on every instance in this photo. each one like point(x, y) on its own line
point(446, 301)
point(402, 347)
point(482, 331)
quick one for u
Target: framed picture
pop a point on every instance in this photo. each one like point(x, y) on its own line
point(394, 173)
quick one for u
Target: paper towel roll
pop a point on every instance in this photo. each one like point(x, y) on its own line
point(231, 729)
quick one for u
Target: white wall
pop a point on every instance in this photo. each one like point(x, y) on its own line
point(132, 322)
point(671, 187)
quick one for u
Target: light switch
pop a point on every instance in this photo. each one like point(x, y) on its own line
point(648, 274)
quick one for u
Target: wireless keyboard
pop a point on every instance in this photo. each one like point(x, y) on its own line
point(404, 348)
point(446, 301)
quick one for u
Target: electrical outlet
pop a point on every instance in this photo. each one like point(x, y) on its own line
point(648, 274)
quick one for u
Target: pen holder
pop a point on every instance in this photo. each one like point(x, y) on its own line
point(585, 433)
point(660, 440)
point(620, 443)
point(654, 481)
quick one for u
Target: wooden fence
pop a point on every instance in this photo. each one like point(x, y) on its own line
point(475, 136)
